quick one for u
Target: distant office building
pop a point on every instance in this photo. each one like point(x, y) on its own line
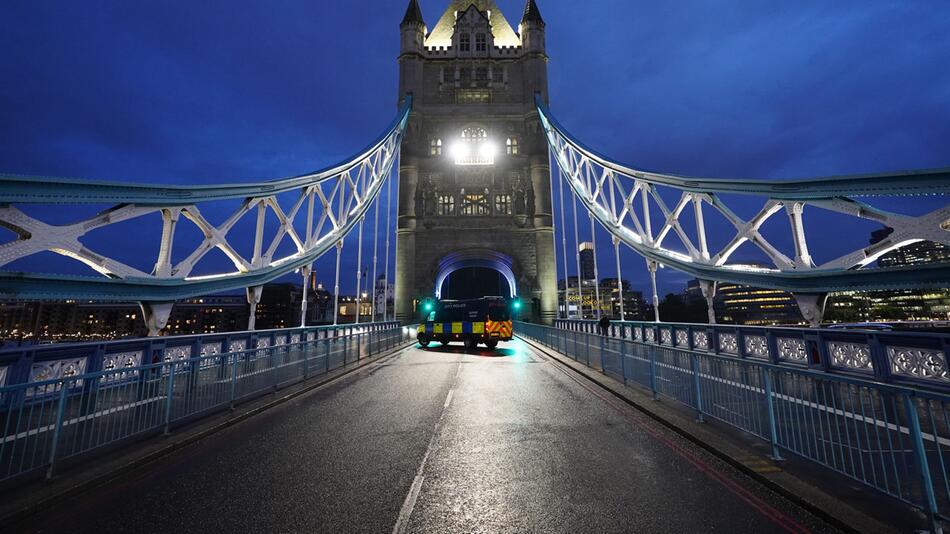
point(634, 306)
point(279, 306)
point(19, 319)
point(882, 306)
point(208, 315)
point(69, 320)
point(746, 305)
point(581, 302)
point(586, 252)
point(347, 309)
point(914, 254)
point(899, 304)
point(31, 321)
point(576, 297)
point(74, 321)
point(319, 304)
point(349, 304)
point(384, 298)
point(104, 320)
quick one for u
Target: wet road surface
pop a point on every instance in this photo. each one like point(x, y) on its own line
point(438, 440)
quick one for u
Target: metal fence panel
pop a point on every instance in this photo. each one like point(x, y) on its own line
point(84, 399)
point(819, 397)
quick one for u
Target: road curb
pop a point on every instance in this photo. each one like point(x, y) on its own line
point(23, 512)
point(860, 523)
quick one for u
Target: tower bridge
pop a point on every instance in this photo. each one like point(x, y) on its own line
point(474, 170)
point(476, 143)
point(478, 173)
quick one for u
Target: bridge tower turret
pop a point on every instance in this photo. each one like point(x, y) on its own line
point(535, 49)
point(411, 48)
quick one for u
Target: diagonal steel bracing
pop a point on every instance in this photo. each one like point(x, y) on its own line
point(622, 198)
point(328, 205)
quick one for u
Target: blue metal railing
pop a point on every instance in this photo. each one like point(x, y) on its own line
point(910, 358)
point(64, 403)
point(891, 437)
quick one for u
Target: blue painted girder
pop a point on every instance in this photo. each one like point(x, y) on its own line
point(34, 286)
point(927, 182)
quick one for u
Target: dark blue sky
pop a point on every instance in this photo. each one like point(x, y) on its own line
point(190, 92)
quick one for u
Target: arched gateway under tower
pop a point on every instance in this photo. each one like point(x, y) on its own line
point(474, 172)
point(477, 258)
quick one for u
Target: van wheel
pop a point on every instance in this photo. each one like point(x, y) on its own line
point(470, 344)
point(492, 345)
point(423, 340)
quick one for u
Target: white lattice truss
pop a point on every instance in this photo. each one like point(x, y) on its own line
point(328, 204)
point(621, 199)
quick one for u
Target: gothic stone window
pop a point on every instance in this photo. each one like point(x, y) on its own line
point(503, 204)
point(435, 147)
point(481, 74)
point(511, 146)
point(465, 42)
point(446, 204)
point(474, 148)
point(475, 203)
point(481, 42)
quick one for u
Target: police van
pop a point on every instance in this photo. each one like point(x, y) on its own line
point(486, 320)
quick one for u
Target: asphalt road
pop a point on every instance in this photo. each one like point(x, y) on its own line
point(438, 441)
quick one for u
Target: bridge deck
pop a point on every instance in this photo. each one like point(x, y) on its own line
point(438, 441)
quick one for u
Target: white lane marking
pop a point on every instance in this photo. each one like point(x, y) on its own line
point(409, 504)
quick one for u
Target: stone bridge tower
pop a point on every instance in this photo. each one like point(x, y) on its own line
point(475, 183)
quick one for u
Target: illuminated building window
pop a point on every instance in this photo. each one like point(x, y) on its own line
point(476, 96)
point(502, 204)
point(465, 42)
point(446, 205)
point(435, 147)
point(475, 204)
point(511, 146)
point(473, 148)
point(481, 42)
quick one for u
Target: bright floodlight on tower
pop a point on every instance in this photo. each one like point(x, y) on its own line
point(473, 147)
point(459, 151)
point(486, 151)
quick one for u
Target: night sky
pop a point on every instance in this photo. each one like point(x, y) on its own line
point(227, 91)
